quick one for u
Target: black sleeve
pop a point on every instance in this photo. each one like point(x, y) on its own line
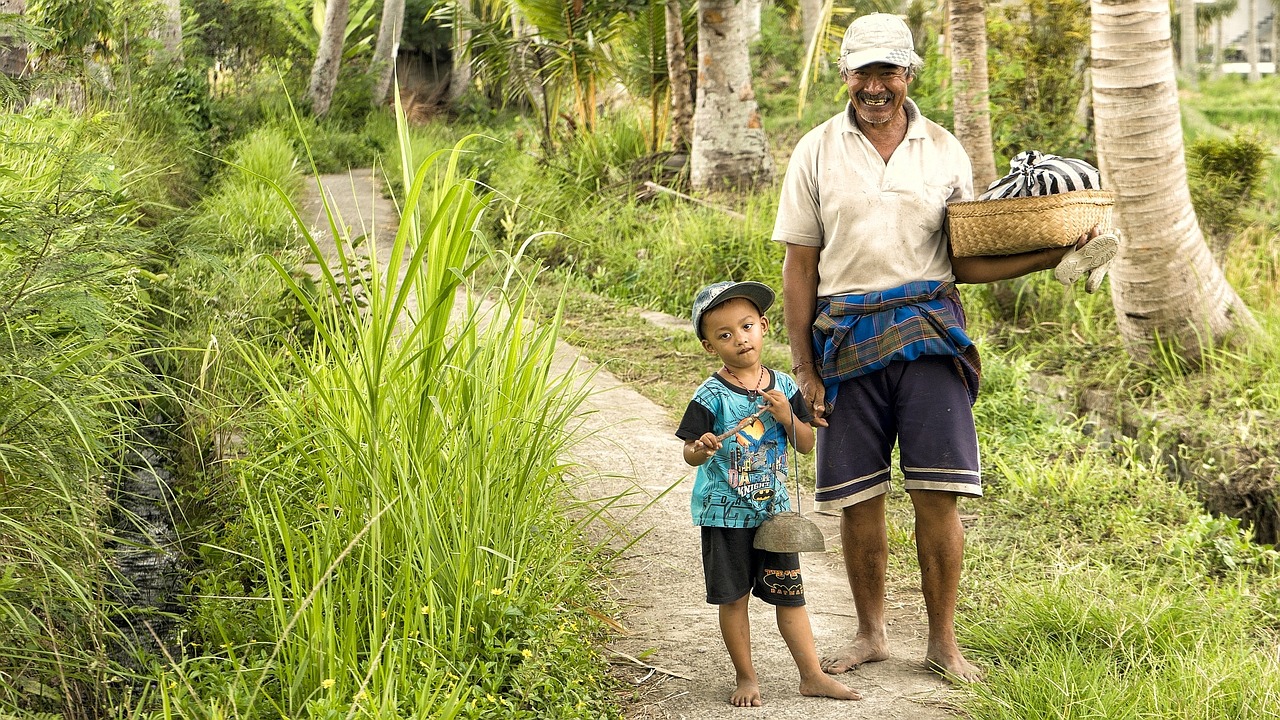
point(800, 408)
point(697, 421)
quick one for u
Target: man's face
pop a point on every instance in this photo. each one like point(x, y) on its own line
point(877, 92)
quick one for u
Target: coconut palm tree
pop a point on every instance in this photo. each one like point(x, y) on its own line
point(729, 146)
point(1187, 36)
point(324, 74)
point(968, 20)
point(1166, 286)
point(383, 65)
point(679, 82)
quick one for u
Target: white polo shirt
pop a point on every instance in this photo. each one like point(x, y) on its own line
point(880, 225)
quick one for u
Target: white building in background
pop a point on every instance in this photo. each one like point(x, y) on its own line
point(1235, 37)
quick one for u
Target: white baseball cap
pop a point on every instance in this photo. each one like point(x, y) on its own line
point(878, 38)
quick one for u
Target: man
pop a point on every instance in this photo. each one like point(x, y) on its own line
point(877, 331)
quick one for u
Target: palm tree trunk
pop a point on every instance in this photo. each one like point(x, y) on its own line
point(324, 74)
point(1252, 42)
point(680, 83)
point(753, 8)
point(169, 32)
point(1217, 49)
point(969, 75)
point(13, 55)
point(383, 65)
point(1166, 286)
point(810, 17)
point(729, 146)
point(460, 70)
point(1187, 40)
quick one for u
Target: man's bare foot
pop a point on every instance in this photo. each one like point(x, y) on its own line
point(747, 694)
point(951, 665)
point(861, 650)
point(823, 686)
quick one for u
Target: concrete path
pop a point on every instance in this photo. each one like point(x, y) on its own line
point(670, 650)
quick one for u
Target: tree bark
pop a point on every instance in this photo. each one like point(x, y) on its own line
point(729, 146)
point(681, 85)
point(169, 32)
point(1187, 41)
point(1217, 49)
point(460, 70)
point(383, 65)
point(969, 76)
point(324, 74)
point(13, 55)
point(810, 16)
point(1252, 41)
point(753, 8)
point(1166, 286)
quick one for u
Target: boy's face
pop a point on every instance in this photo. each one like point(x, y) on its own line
point(735, 330)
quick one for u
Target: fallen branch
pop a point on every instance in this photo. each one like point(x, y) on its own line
point(650, 185)
point(641, 663)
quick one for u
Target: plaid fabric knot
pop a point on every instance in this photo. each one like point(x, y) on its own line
point(858, 334)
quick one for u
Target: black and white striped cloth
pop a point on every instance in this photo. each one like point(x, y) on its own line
point(1032, 173)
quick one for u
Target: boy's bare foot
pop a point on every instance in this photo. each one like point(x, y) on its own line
point(823, 686)
point(747, 694)
point(951, 665)
point(861, 650)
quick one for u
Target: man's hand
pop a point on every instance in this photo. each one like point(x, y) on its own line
point(814, 392)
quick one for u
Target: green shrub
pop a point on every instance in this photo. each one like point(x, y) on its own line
point(1224, 177)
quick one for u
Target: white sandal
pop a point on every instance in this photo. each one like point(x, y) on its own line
point(1095, 254)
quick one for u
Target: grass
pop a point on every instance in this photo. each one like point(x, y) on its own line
point(405, 500)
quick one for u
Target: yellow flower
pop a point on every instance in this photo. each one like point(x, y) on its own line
point(479, 584)
point(491, 698)
point(527, 653)
point(496, 591)
point(425, 610)
point(328, 683)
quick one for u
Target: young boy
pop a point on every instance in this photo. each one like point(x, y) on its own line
point(742, 480)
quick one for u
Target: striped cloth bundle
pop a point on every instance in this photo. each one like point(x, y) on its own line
point(1033, 174)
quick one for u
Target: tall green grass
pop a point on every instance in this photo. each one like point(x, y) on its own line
point(72, 294)
point(404, 502)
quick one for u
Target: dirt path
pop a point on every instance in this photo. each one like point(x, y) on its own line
point(628, 446)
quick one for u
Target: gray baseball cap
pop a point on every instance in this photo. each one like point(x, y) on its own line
point(717, 293)
point(878, 38)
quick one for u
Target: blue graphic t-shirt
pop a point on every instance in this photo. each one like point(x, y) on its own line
point(746, 480)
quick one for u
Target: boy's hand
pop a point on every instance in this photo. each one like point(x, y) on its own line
point(779, 407)
point(705, 446)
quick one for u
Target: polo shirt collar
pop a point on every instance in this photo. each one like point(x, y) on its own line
point(915, 121)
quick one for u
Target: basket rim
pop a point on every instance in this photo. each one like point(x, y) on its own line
point(1034, 202)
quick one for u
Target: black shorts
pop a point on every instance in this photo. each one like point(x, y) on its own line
point(732, 567)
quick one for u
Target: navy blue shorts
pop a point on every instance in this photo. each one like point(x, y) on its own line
point(923, 406)
point(732, 566)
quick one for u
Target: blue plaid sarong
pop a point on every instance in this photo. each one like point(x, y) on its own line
point(858, 334)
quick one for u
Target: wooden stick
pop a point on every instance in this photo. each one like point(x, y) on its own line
point(655, 186)
point(644, 664)
point(741, 424)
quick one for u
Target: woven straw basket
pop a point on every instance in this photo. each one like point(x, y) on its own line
point(1014, 225)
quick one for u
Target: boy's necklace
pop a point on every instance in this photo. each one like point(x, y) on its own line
point(751, 394)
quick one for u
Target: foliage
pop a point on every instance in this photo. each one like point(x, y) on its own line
point(365, 481)
point(72, 28)
point(1224, 180)
point(71, 294)
point(1038, 52)
point(239, 33)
